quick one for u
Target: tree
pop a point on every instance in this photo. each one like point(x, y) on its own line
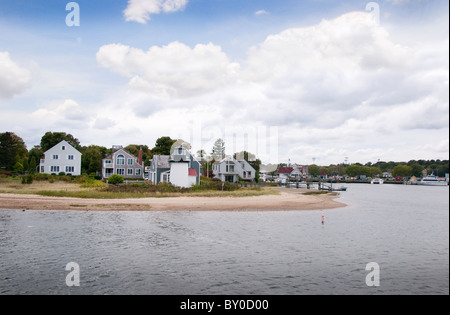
point(162, 146)
point(18, 168)
point(402, 171)
point(12, 150)
point(353, 170)
point(218, 151)
point(417, 170)
point(135, 148)
point(314, 170)
point(33, 164)
point(35, 155)
point(50, 139)
point(91, 159)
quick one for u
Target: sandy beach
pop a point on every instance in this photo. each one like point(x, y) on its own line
point(288, 199)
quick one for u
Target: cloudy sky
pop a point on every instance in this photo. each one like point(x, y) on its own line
point(305, 80)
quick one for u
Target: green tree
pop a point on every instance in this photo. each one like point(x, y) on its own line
point(50, 139)
point(12, 150)
point(146, 153)
point(353, 170)
point(35, 153)
point(417, 170)
point(402, 171)
point(18, 168)
point(314, 170)
point(162, 146)
point(33, 164)
point(26, 165)
point(92, 158)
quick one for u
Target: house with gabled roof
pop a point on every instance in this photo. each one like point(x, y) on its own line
point(123, 163)
point(232, 170)
point(62, 158)
point(180, 168)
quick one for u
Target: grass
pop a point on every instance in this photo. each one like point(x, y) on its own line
point(93, 189)
point(321, 192)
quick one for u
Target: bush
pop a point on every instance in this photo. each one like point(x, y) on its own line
point(115, 180)
point(27, 179)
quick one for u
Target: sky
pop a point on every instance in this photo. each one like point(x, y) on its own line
point(305, 81)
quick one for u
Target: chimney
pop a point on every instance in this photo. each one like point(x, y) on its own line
point(141, 153)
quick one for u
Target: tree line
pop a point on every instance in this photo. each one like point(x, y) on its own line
point(16, 158)
point(402, 169)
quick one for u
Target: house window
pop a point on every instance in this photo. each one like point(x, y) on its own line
point(42, 169)
point(230, 168)
point(70, 157)
point(108, 162)
point(130, 171)
point(55, 157)
point(120, 171)
point(120, 160)
point(130, 162)
point(138, 172)
point(70, 169)
point(54, 169)
point(63, 148)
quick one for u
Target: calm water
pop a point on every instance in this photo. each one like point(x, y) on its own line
point(405, 229)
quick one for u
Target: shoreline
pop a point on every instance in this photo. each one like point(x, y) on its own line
point(286, 200)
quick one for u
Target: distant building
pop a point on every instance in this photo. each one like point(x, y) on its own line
point(123, 163)
point(62, 158)
point(180, 168)
point(284, 173)
point(232, 170)
point(159, 169)
point(299, 171)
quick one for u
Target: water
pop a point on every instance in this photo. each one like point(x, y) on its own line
point(405, 229)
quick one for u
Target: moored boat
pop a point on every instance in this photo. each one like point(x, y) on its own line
point(432, 180)
point(377, 181)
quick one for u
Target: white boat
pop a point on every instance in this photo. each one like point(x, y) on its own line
point(377, 181)
point(432, 181)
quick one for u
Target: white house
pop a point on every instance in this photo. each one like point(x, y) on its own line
point(62, 158)
point(231, 170)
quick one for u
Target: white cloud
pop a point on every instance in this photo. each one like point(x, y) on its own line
point(63, 113)
point(261, 12)
point(343, 87)
point(175, 70)
point(140, 10)
point(13, 78)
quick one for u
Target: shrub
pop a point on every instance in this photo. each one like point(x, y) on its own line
point(115, 180)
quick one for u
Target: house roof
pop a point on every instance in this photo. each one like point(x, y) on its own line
point(192, 172)
point(117, 152)
point(285, 170)
point(63, 142)
point(162, 161)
